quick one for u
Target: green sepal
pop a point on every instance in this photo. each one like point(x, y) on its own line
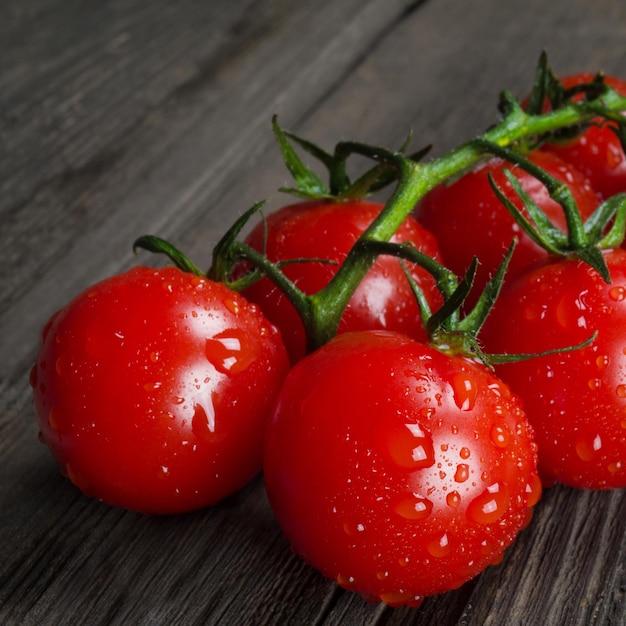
point(155, 244)
point(223, 260)
point(442, 318)
point(308, 183)
point(616, 209)
point(501, 359)
point(475, 319)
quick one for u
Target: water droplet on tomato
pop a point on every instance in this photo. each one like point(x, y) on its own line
point(465, 453)
point(203, 422)
point(232, 306)
point(382, 575)
point(500, 435)
point(464, 390)
point(228, 352)
point(453, 499)
point(344, 581)
point(614, 156)
point(620, 390)
point(490, 505)
point(32, 377)
point(399, 598)
point(614, 467)
point(588, 447)
point(462, 473)
point(428, 412)
point(533, 490)
point(594, 383)
point(602, 362)
point(149, 387)
point(411, 447)
point(56, 421)
point(439, 546)
point(413, 507)
point(77, 478)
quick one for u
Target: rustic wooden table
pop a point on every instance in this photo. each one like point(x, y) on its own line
point(124, 118)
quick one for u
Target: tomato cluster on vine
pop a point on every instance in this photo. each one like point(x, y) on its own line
point(351, 349)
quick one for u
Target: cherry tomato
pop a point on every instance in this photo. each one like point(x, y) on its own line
point(576, 401)
point(469, 220)
point(397, 470)
point(327, 230)
point(152, 389)
point(597, 152)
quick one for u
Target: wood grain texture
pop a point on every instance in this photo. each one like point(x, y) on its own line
point(123, 118)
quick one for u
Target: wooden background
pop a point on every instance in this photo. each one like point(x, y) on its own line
point(120, 118)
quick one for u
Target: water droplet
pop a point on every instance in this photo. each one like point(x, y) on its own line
point(602, 362)
point(620, 390)
point(462, 473)
point(152, 386)
point(500, 435)
point(465, 453)
point(411, 447)
point(344, 581)
point(382, 575)
point(490, 505)
point(32, 378)
point(56, 421)
point(587, 447)
point(399, 598)
point(464, 390)
point(615, 467)
point(77, 478)
point(227, 351)
point(439, 546)
point(594, 383)
point(617, 293)
point(203, 422)
point(453, 499)
point(154, 357)
point(413, 507)
point(533, 490)
point(232, 306)
point(428, 412)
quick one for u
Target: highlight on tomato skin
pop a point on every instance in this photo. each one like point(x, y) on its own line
point(152, 389)
point(326, 230)
point(396, 470)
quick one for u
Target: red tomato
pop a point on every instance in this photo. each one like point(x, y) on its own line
point(597, 152)
point(468, 220)
point(576, 401)
point(397, 470)
point(327, 230)
point(152, 389)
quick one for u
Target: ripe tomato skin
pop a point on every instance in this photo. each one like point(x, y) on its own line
point(327, 230)
point(576, 401)
point(396, 470)
point(597, 152)
point(468, 220)
point(152, 389)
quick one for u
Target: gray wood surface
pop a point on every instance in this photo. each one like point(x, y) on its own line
point(123, 118)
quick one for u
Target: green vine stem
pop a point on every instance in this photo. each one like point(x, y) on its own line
point(416, 179)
